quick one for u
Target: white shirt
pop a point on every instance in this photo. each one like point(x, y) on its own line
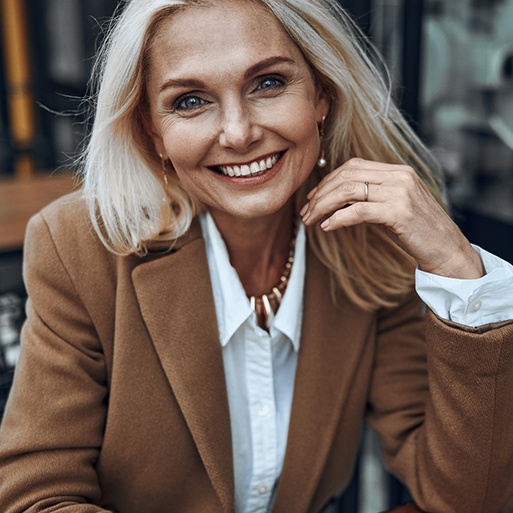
point(260, 367)
point(471, 302)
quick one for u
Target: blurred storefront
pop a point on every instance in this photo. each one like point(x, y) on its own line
point(452, 63)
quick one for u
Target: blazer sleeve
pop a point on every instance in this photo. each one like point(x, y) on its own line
point(51, 433)
point(441, 402)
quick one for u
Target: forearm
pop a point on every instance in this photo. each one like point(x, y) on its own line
point(460, 458)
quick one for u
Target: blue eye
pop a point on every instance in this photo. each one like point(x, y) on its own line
point(270, 83)
point(188, 103)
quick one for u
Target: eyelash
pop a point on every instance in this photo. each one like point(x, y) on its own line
point(179, 104)
point(279, 82)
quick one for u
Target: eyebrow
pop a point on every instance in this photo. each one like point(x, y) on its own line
point(267, 63)
point(192, 83)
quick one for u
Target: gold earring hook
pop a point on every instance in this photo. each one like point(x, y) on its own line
point(164, 169)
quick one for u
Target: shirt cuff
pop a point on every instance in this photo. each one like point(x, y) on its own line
point(473, 303)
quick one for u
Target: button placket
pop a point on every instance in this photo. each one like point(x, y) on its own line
point(260, 383)
point(262, 409)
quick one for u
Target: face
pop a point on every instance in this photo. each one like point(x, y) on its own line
point(234, 107)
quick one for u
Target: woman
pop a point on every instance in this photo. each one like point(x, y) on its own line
point(246, 296)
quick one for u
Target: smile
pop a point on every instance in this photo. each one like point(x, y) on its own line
point(251, 168)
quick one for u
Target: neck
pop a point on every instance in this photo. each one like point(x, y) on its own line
point(258, 248)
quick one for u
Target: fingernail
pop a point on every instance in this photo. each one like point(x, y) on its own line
point(325, 224)
point(302, 212)
point(311, 193)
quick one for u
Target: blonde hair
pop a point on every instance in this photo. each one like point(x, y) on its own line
point(121, 170)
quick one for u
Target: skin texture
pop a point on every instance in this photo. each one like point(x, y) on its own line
point(399, 200)
point(245, 96)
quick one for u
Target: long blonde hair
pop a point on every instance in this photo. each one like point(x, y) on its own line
point(121, 172)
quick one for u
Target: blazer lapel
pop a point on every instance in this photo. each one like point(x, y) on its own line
point(176, 302)
point(331, 344)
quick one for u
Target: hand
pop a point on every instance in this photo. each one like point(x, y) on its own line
point(399, 200)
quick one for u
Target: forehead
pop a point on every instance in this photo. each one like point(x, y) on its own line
point(220, 33)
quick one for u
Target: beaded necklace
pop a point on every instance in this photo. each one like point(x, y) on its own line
point(266, 305)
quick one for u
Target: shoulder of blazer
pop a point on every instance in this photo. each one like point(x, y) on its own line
point(61, 239)
point(69, 226)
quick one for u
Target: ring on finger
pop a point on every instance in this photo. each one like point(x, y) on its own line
point(365, 191)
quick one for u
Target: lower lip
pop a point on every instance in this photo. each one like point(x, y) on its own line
point(251, 181)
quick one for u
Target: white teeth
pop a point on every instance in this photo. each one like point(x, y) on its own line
point(253, 168)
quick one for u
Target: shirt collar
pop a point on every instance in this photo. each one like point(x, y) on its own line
point(289, 317)
point(231, 303)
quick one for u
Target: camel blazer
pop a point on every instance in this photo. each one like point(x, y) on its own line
point(119, 400)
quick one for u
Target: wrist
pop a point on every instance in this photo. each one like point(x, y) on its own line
point(463, 265)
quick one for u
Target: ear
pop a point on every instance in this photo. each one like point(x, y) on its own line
point(151, 130)
point(322, 105)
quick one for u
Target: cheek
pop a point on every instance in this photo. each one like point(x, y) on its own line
point(307, 135)
point(185, 146)
point(301, 123)
point(184, 179)
point(194, 183)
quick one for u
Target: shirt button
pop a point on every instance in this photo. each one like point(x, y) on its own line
point(262, 409)
point(476, 305)
point(262, 490)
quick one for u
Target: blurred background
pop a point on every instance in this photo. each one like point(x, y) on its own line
point(451, 63)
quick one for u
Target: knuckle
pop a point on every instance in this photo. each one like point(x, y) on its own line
point(347, 188)
point(404, 212)
point(360, 209)
point(347, 172)
point(355, 161)
point(409, 213)
point(408, 175)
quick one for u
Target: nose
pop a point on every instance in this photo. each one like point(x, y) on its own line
point(239, 130)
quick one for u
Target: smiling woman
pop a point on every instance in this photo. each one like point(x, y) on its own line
point(247, 97)
point(231, 294)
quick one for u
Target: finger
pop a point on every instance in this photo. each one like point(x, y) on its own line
point(402, 179)
point(330, 199)
point(348, 175)
point(343, 196)
point(358, 213)
point(311, 193)
point(355, 166)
